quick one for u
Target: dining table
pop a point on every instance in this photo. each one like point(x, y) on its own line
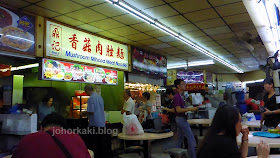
point(253, 141)
point(200, 123)
point(147, 138)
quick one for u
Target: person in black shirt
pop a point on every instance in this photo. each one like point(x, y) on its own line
point(220, 141)
point(271, 115)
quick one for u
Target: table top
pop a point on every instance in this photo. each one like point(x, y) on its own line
point(200, 121)
point(145, 136)
point(254, 140)
point(270, 156)
point(256, 124)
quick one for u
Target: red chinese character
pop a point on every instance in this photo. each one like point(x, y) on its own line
point(120, 53)
point(74, 41)
point(87, 46)
point(110, 51)
point(55, 46)
point(99, 48)
point(55, 33)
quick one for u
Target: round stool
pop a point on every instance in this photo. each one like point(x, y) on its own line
point(129, 155)
point(178, 153)
point(160, 155)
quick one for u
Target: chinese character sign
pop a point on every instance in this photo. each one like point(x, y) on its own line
point(56, 40)
point(63, 42)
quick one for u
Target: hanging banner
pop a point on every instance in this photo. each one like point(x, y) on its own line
point(70, 72)
point(149, 64)
point(191, 76)
point(17, 32)
point(63, 42)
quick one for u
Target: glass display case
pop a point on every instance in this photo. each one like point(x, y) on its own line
point(78, 105)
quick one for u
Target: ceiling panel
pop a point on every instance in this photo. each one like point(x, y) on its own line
point(56, 6)
point(223, 36)
point(184, 28)
point(41, 11)
point(89, 3)
point(143, 27)
point(156, 33)
point(223, 2)
point(231, 9)
point(137, 37)
point(202, 39)
point(167, 39)
point(68, 20)
point(107, 24)
point(160, 12)
point(108, 9)
point(144, 4)
point(32, 1)
point(15, 3)
point(208, 44)
point(122, 39)
point(193, 34)
point(243, 26)
point(217, 30)
point(176, 43)
point(224, 41)
point(235, 19)
point(123, 31)
point(80, 15)
point(186, 6)
point(210, 23)
point(150, 41)
point(107, 34)
point(170, 49)
point(162, 46)
point(174, 20)
point(202, 15)
point(127, 19)
point(89, 28)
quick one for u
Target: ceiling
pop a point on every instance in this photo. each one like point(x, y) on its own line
point(209, 23)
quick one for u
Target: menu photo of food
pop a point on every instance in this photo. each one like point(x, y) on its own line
point(64, 71)
point(16, 32)
point(53, 70)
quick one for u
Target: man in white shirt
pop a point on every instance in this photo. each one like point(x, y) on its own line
point(129, 104)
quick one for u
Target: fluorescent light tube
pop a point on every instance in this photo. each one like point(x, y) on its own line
point(136, 12)
point(25, 67)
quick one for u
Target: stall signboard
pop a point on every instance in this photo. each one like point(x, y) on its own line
point(191, 76)
point(195, 86)
point(66, 43)
point(65, 71)
point(149, 64)
point(17, 32)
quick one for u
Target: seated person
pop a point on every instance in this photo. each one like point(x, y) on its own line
point(220, 141)
point(52, 141)
point(45, 108)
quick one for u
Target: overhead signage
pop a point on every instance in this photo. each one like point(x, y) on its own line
point(70, 72)
point(66, 43)
point(17, 32)
point(191, 76)
point(148, 63)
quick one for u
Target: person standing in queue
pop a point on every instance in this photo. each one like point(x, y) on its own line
point(271, 113)
point(95, 112)
point(45, 108)
point(129, 104)
point(181, 121)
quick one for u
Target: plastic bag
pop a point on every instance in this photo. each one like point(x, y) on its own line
point(196, 98)
point(249, 117)
point(131, 125)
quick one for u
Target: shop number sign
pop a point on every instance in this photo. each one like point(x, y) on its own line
point(67, 43)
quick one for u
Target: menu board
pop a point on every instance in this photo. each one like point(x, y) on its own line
point(67, 43)
point(191, 76)
point(149, 64)
point(17, 32)
point(64, 71)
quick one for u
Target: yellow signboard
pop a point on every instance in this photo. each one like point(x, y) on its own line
point(70, 44)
